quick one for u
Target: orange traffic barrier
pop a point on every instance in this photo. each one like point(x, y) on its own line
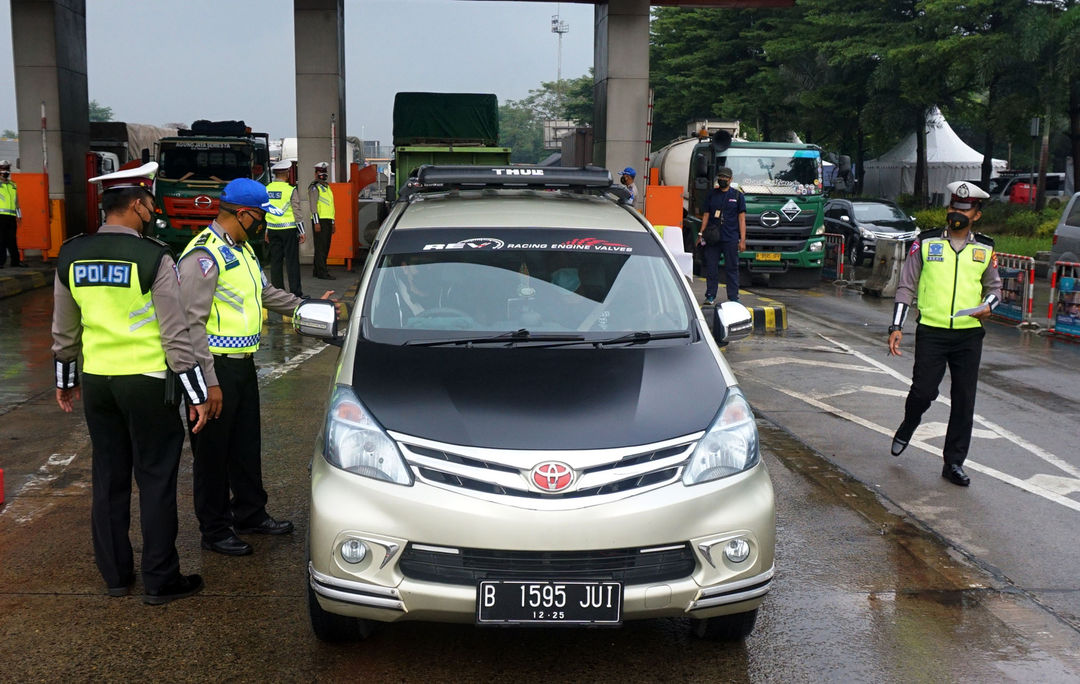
point(33, 232)
point(664, 205)
point(344, 241)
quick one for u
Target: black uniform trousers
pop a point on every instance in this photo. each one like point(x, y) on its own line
point(228, 455)
point(711, 256)
point(322, 245)
point(8, 245)
point(285, 248)
point(131, 428)
point(961, 350)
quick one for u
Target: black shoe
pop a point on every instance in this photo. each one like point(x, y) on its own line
point(230, 546)
point(898, 446)
point(268, 526)
point(181, 587)
point(955, 474)
point(122, 590)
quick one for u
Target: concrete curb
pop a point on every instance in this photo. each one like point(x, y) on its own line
point(14, 281)
point(769, 314)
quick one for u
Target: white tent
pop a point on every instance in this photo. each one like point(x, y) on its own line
point(948, 159)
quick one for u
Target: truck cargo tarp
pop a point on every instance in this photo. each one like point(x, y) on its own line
point(111, 136)
point(459, 118)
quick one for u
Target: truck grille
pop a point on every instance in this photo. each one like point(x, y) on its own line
point(489, 472)
point(469, 566)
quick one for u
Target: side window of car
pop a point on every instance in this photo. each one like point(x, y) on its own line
point(1074, 213)
point(835, 212)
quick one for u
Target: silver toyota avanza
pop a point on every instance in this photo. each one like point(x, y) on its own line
point(532, 422)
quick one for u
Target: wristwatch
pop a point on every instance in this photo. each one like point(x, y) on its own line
point(895, 328)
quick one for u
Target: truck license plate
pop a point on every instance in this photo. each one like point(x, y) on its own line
point(767, 256)
point(546, 602)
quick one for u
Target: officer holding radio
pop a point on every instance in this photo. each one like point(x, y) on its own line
point(117, 299)
point(953, 271)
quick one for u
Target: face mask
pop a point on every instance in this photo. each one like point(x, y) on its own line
point(254, 229)
point(146, 222)
point(957, 220)
point(723, 184)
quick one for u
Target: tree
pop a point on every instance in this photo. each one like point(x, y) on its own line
point(8, 133)
point(521, 129)
point(100, 112)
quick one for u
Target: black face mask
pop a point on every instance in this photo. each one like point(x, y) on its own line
point(723, 184)
point(957, 221)
point(147, 223)
point(255, 228)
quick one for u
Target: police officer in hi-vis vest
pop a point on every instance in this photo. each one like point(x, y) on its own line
point(284, 229)
point(953, 271)
point(116, 297)
point(321, 199)
point(9, 216)
point(224, 290)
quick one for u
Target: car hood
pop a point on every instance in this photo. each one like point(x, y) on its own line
point(883, 226)
point(533, 398)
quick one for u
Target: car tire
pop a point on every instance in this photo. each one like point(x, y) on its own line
point(854, 253)
point(333, 628)
point(726, 627)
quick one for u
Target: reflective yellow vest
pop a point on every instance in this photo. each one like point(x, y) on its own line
point(951, 281)
point(7, 199)
point(235, 321)
point(326, 201)
point(281, 197)
point(110, 277)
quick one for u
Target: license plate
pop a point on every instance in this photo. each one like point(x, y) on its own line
point(546, 602)
point(767, 256)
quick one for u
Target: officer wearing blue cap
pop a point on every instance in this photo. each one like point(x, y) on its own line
point(225, 289)
point(953, 271)
point(626, 177)
point(117, 300)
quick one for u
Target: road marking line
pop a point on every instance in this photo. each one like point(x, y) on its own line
point(276, 370)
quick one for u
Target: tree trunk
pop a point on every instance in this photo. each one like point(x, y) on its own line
point(860, 159)
point(1074, 130)
point(1044, 158)
point(988, 140)
point(921, 191)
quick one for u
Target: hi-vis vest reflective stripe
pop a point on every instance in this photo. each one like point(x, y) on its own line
point(235, 320)
point(951, 281)
point(281, 197)
point(120, 328)
point(7, 199)
point(326, 201)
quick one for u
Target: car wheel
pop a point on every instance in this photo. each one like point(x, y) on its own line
point(726, 627)
point(854, 253)
point(334, 628)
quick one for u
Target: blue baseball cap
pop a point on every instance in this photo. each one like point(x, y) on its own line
point(629, 171)
point(246, 192)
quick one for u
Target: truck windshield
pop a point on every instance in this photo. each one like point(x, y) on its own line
point(421, 295)
point(776, 171)
point(205, 161)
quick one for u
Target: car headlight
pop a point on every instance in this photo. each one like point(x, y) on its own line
point(866, 233)
point(729, 446)
point(356, 443)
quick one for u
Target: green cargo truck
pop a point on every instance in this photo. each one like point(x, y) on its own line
point(445, 128)
point(195, 166)
point(782, 182)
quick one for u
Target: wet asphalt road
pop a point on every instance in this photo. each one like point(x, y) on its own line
point(866, 590)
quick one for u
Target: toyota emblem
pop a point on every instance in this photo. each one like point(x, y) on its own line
point(552, 476)
point(203, 202)
point(770, 219)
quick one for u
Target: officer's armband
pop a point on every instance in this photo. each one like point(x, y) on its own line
point(67, 373)
point(991, 300)
point(900, 312)
point(194, 385)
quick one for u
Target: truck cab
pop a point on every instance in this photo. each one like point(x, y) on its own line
point(782, 183)
point(195, 166)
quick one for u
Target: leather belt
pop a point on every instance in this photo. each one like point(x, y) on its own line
point(246, 355)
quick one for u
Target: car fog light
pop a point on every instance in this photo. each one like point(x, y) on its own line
point(353, 551)
point(737, 550)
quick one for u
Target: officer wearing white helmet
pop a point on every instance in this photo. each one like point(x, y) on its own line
point(116, 298)
point(284, 229)
point(321, 200)
point(9, 216)
point(953, 271)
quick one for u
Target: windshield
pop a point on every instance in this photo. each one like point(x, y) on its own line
point(876, 211)
point(205, 160)
point(539, 286)
point(775, 171)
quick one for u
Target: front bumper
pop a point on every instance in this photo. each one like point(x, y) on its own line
point(387, 518)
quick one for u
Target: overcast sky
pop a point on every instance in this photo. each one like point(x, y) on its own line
point(156, 62)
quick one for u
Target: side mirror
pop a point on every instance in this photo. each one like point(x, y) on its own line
point(701, 166)
point(145, 155)
point(391, 194)
point(845, 218)
point(731, 321)
point(318, 318)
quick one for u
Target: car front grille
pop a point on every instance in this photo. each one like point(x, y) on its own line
point(469, 566)
point(501, 473)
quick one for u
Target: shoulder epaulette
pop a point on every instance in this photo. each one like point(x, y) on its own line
point(984, 239)
point(202, 240)
point(75, 237)
point(930, 234)
point(156, 241)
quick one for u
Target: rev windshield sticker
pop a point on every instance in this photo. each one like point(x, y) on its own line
point(471, 243)
point(415, 241)
point(593, 245)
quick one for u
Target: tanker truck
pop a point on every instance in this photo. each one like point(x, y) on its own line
point(782, 183)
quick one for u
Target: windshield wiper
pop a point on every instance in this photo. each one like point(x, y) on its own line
point(520, 335)
point(641, 337)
